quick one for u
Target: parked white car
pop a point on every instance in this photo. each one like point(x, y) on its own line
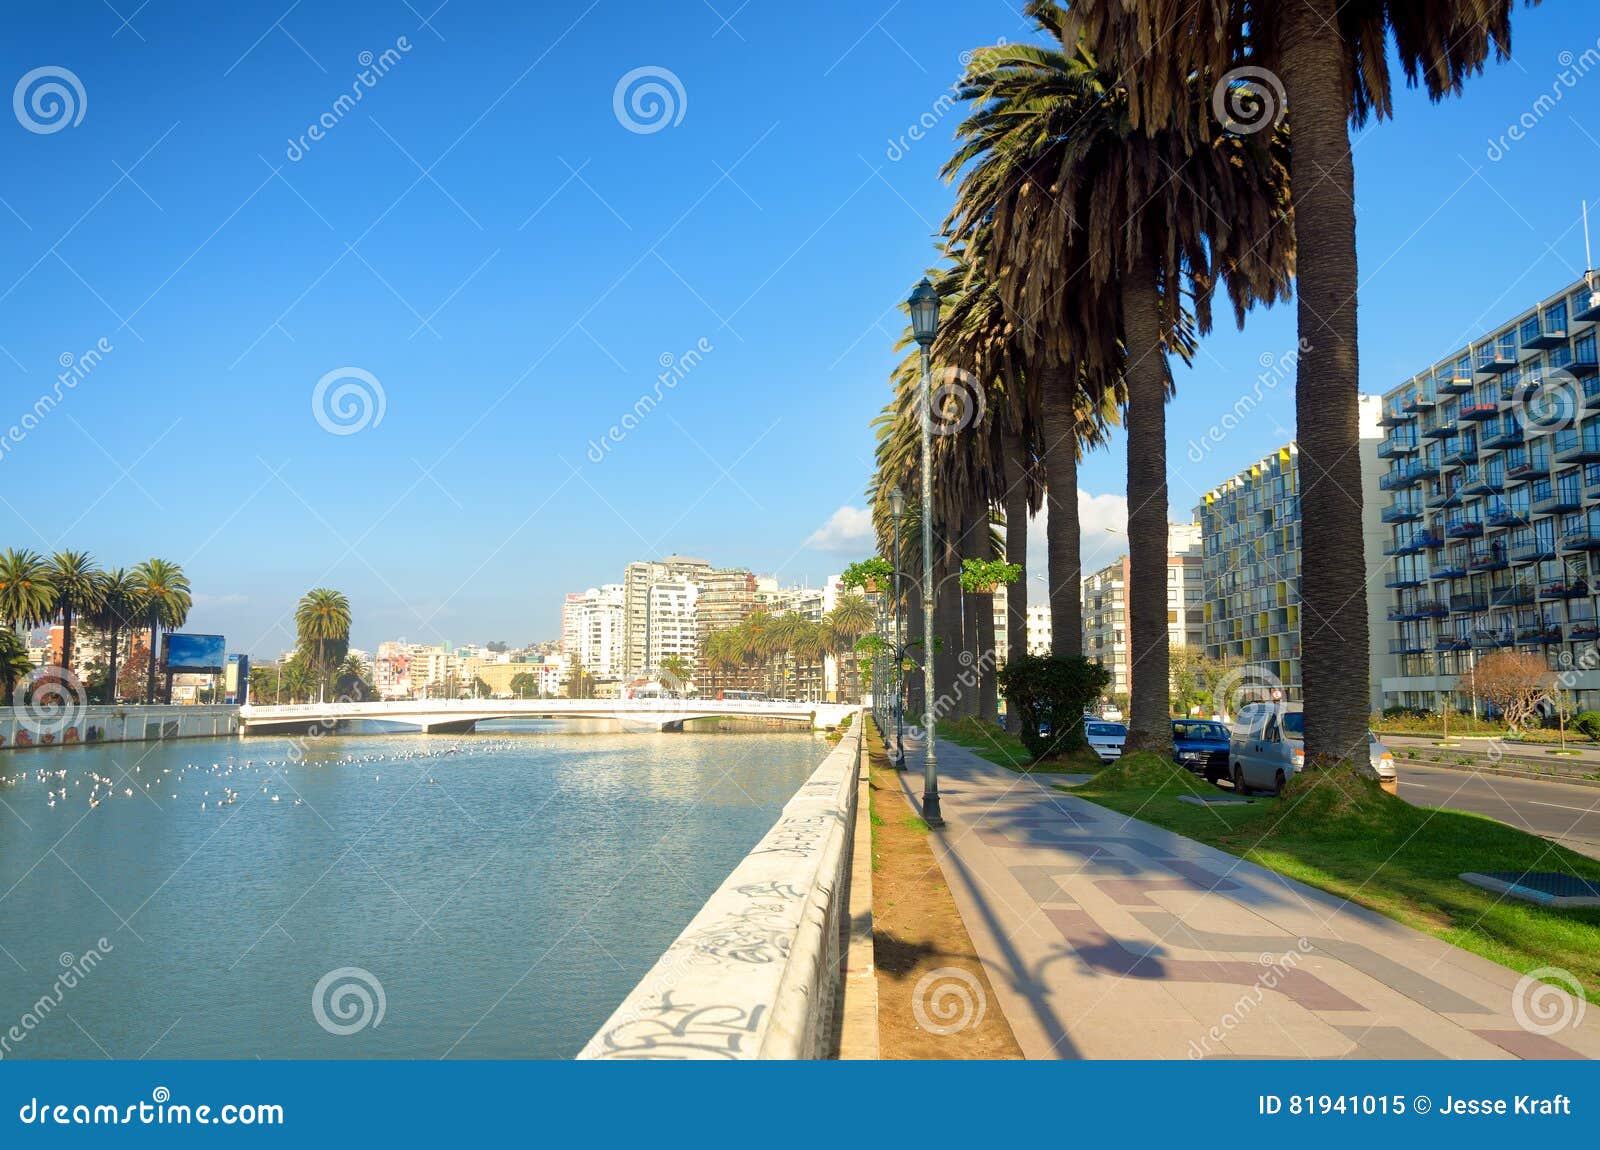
point(1105, 739)
point(1267, 745)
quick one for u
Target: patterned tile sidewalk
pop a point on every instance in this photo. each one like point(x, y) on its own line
point(1106, 937)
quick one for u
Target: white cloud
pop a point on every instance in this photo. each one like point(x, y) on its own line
point(1102, 535)
point(847, 531)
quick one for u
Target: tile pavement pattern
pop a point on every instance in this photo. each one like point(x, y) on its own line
point(1106, 937)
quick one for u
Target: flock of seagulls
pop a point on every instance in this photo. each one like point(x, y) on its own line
point(63, 784)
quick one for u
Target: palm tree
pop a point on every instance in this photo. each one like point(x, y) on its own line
point(321, 619)
point(1140, 223)
point(298, 678)
point(14, 664)
point(27, 598)
point(807, 646)
point(784, 631)
point(1332, 59)
point(119, 608)
point(77, 583)
point(164, 601)
point(851, 618)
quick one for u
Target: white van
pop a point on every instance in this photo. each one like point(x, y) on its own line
point(1267, 745)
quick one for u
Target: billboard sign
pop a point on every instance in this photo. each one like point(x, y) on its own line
point(195, 654)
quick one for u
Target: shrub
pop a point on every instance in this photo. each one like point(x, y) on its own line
point(1587, 723)
point(1052, 691)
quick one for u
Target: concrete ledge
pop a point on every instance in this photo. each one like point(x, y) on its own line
point(105, 724)
point(858, 1018)
point(756, 973)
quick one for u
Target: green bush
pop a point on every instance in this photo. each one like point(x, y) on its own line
point(1053, 691)
point(1587, 723)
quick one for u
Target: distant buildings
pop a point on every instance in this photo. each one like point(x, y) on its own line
point(1105, 606)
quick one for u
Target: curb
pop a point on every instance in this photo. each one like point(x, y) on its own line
point(1507, 772)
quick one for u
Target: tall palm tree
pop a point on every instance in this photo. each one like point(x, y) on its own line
point(851, 618)
point(77, 583)
point(119, 609)
point(785, 630)
point(322, 622)
point(15, 666)
point(1145, 223)
point(27, 598)
point(164, 601)
point(807, 647)
point(1332, 59)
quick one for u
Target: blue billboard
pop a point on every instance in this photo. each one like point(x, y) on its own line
point(195, 653)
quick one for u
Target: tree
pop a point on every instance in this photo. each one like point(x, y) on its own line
point(1051, 694)
point(677, 669)
point(164, 598)
point(1331, 58)
point(352, 679)
point(1123, 229)
point(579, 681)
point(1516, 683)
point(322, 624)
point(850, 619)
point(15, 666)
point(119, 609)
point(525, 685)
point(78, 588)
point(26, 597)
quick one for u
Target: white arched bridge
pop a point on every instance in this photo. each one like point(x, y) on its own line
point(454, 715)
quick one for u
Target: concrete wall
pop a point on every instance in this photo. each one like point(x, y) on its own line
point(20, 729)
point(756, 973)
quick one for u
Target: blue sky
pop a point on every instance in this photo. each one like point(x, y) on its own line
point(482, 243)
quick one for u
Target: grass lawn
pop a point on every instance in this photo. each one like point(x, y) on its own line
point(1346, 837)
point(1001, 746)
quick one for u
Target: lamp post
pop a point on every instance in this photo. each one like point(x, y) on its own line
point(897, 510)
point(924, 306)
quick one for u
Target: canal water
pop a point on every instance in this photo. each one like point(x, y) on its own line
point(491, 895)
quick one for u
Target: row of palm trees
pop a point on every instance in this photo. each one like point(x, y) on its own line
point(1106, 190)
point(771, 650)
point(70, 586)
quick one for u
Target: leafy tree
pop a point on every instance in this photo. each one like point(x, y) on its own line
point(1050, 693)
point(163, 595)
point(78, 586)
point(322, 626)
point(119, 609)
point(26, 597)
point(1516, 682)
point(525, 685)
point(15, 666)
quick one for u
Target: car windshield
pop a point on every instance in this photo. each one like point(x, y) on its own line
point(1215, 731)
point(1105, 730)
point(1294, 724)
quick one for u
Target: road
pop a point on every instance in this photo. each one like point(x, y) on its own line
point(1561, 811)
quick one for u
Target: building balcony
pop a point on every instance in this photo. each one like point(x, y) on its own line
point(1421, 609)
point(1451, 498)
point(1448, 568)
point(1584, 363)
point(1416, 402)
point(1452, 643)
point(1564, 589)
point(1585, 629)
point(1506, 516)
point(1559, 501)
point(1464, 527)
point(1519, 470)
point(1469, 602)
point(1453, 380)
point(1401, 513)
point(1495, 358)
point(1516, 595)
point(1488, 559)
point(1539, 633)
point(1479, 412)
point(1543, 331)
point(1461, 454)
point(1439, 428)
point(1397, 448)
point(1401, 579)
point(1583, 539)
point(1533, 551)
point(1410, 544)
point(1394, 415)
point(1584, 305)
point(1413, 646)
point(1487, 639)
point(1501, 436)
point(1574, 447)
point(1406, 475)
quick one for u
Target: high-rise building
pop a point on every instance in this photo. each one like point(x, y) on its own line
point(670, 624)
point(1105, 607)
point(1493, 520)
point(637, 580)
point(1251, 535)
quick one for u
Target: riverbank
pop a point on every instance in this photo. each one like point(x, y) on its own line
point(23, 728)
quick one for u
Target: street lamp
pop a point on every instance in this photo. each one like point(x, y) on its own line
point(897, 511)
point(924, 307)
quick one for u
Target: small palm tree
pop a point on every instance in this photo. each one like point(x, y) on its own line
point(164, 601)
point(26, 597)
point(119, 608)
point(78, 587)
point(322, 621)
point(14, 664)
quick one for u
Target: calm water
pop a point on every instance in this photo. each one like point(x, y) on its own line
point(505, 888)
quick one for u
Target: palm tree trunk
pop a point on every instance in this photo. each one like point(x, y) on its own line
point(947, 630)
point(150, 681)
point(1016, 505)
point(1059, 423)
point(111, 675)
point(1150, 723)
point(914, 677)
point(980, 627)
point(1333, 617)
point(66, 639)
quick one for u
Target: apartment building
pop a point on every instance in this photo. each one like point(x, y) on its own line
point(1492, 509)
point(638, 578)
point(1250, 537)
point(592, 630)
point(670, 624)
point(1105, 607)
